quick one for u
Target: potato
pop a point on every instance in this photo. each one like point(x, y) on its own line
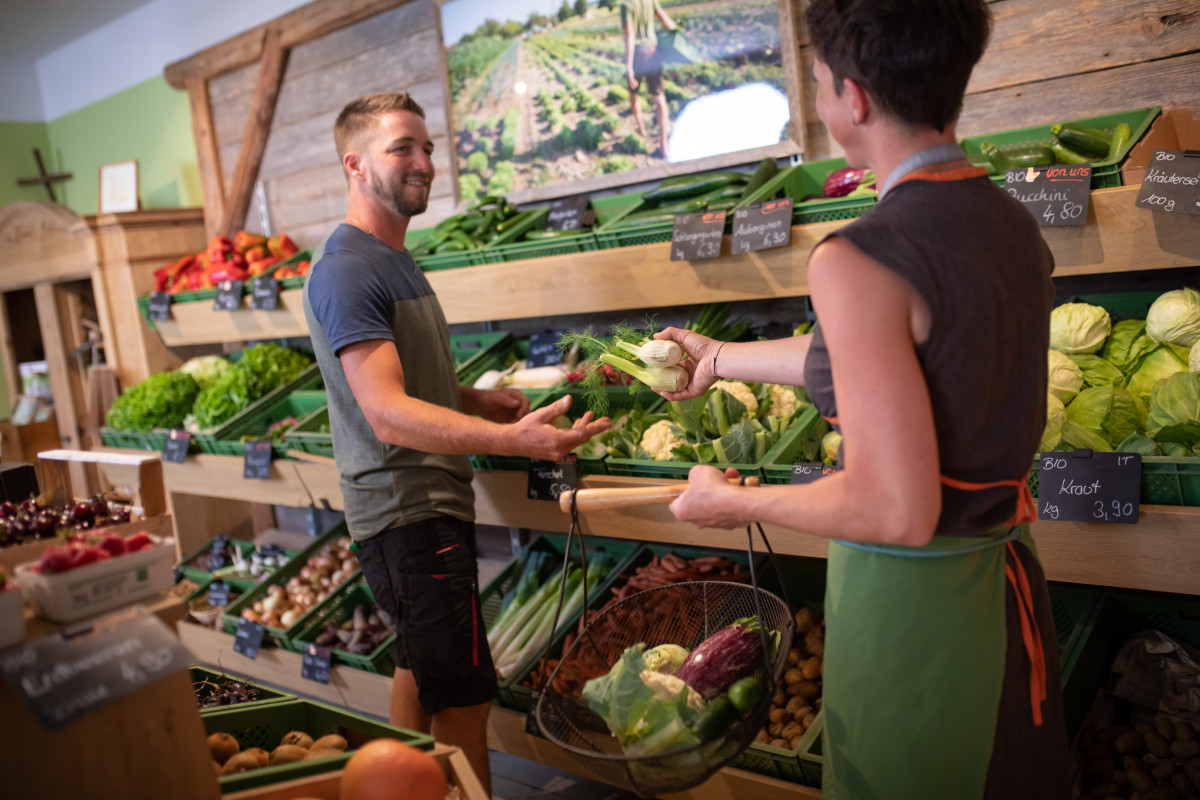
point(1132, 762)
point(1185, 731)
point(809, 690)
point(806, 620)
point(798, 707)
point(1185, 749)
point(794, 742)
point(298, 738)
point(222, 747)
point(780, 699)
point(264, 758)
point(811, 668)
point(1144, 728)
point(779, 743)
point(1157, 745)
point(1111, 732)
point(792, 676)
point(791, 730)
point(763, 737)
point(242, 762)
point(814, 642)
point(331, 742)
point(775, 729)
point(1120, 778)
point(1181, 782)
point(808, 721)
point(1165, 728)
point(1139, 779)
point(794, 657)
point(1129, 742)
point(1100, 750)
point(1164, 770)
point(287, 754)
point(1161, 793)
point(1101, 766)
point(779, 715)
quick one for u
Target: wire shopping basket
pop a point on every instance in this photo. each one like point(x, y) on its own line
point(684, 614)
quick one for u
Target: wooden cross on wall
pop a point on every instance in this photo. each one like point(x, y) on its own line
point(44, 179)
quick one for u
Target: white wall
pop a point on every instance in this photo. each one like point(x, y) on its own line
point(135, 48)
point(20, 96)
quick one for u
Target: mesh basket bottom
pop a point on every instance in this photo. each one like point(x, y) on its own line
point(685, 614)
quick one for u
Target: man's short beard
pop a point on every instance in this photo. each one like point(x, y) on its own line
point(396, 201)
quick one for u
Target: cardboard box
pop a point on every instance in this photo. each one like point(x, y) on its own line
point(1175, 129)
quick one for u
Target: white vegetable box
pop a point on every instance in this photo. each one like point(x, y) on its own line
point(99, 587)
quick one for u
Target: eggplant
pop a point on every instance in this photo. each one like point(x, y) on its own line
point(842, 182)
point(722, 659)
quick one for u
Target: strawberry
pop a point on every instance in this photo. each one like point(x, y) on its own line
point(113, 544)
point(84, 555)
point(138, 541)
point(55, 558)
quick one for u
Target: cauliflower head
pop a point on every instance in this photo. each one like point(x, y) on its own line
point(741, 391)
point(668, 687)
point(783, 401)
point(661, 438)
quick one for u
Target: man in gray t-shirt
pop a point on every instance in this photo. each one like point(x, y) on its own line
point(402, 427)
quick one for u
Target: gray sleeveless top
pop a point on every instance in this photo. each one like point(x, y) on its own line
point(978, 260)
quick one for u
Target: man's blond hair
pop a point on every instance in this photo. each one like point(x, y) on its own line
point(359, 115)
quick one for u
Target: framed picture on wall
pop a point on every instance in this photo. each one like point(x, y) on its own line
point(550, 98)
point(119, 187)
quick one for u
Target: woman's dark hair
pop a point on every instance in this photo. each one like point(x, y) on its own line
point(914, 57)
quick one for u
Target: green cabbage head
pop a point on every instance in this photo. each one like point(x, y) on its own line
point(1066, 378)
point(1175, 410)
point(1102, 417)
point(1097, 371)
point(1128, 344)
point(1194, 357)
point(1056, 415)
point(1175, 318)
point(1079, 328)
point(1161, 364)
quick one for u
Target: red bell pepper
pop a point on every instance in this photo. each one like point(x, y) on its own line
point(227, 272)
point(256, 268)
point(218, 245)
point(257, 253)
point(245, 240)
point(282, 246)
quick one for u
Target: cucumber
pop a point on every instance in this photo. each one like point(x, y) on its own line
point(669, 194)
point(1066, 155)
point(1120, 137)
point(1082, 139)
point(452, 246)
point(508, 224)
point(766, 170)
point(690, 206)
point(539, 235)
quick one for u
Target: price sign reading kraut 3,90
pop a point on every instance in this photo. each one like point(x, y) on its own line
point(1056, 195)
point(1083, 486)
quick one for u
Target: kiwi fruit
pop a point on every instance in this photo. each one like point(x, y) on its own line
point(298, 738)
point(222, 747)
point(264, 758)
point(321, 752)
point(330, 742)
point(287, 754)
point(242, 762)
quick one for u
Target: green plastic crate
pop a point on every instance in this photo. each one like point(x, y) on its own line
point(518, 697)
point(309, 378)
point(1122, 305)
point(604, 209)
point(802, 437)
point(468, 348)
point(336, 609)
point(1104, 173)
point(1165, 481)
point(265, 725)
point(807, 180)
point(266, 695)
point(298, 404)
point(614, 232)
point(280, 637)
point(1117, 615)
point(470, 258)
point(151, 440)
point(286, 283)
point(308, 437)
point(492, 595)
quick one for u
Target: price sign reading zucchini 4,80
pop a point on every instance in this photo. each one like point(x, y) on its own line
point(1083, 486)
point(1056, 195)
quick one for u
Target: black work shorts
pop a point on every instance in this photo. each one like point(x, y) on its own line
point(425, 575)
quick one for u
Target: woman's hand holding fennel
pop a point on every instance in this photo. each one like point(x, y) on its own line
point(699, 363)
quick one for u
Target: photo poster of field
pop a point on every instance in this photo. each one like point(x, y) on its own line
point(541, 97)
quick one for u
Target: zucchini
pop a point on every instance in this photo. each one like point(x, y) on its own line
point(669, 194)
point(731, 192)
point(1066, 155)
point(1035, 156)
point(766, 170)
point(681, 180)
point(506, 225)
point(690, 206)
point(466, 241)
point(450, 223)
point(1120, 137)
point(452, 246)
point(1082, 139)
point(539, 235)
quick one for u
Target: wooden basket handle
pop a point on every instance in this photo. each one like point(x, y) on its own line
point(601, 499)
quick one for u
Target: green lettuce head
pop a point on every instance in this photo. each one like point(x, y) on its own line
point(1161, 364)
point(1128, 344)
point(1066, 378)
point(1078, 328)
point(1175, 410)
point(1175, 318)
point(1056, 415)
point(1102, 417)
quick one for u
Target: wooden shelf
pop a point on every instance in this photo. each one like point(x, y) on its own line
point(1118, 238)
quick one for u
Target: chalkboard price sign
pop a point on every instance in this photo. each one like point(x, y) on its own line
point(248, 638)
point(543, 349)
point(697, 236)
point(65, 676)
point(229, 296)
point(807, 473)
point(218, 593)
point(1082, 486)
point(258, 460)
point(316, 663)
point(160, 306)
point(175, 446)
point(1172, 182)
point(1055, 195)
point(762, 226)
point(549, 479)
point(265, 295)
point(566, 214)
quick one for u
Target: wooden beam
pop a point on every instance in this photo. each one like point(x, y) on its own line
point(208, 158)
point(258, 128)
point(296, 27)
point(8, 357)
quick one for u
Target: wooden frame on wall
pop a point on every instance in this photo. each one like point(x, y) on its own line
point(118, 187)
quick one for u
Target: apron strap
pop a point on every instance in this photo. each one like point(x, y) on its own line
point(1026, 509)
point(1029, 633)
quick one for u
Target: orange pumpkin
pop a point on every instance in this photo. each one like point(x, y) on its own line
point(385, 769)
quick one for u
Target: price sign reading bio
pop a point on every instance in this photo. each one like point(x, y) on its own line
point(1172, 182)
point(218, 593)
point(316, 663)
point(175, 446)
point(762, 226)
point(257, 460)
point(265, 295)
point(807, 473)
point(697, 236)
point(543, 349)
point(549, 479)
point(229, 296)
point(1055, 195)
point(566, 214)
point(248, 638)
point(160, 306)
point(1083, 486)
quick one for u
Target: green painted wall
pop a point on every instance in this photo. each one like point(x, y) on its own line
point(150, 123)
point(17, 140)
